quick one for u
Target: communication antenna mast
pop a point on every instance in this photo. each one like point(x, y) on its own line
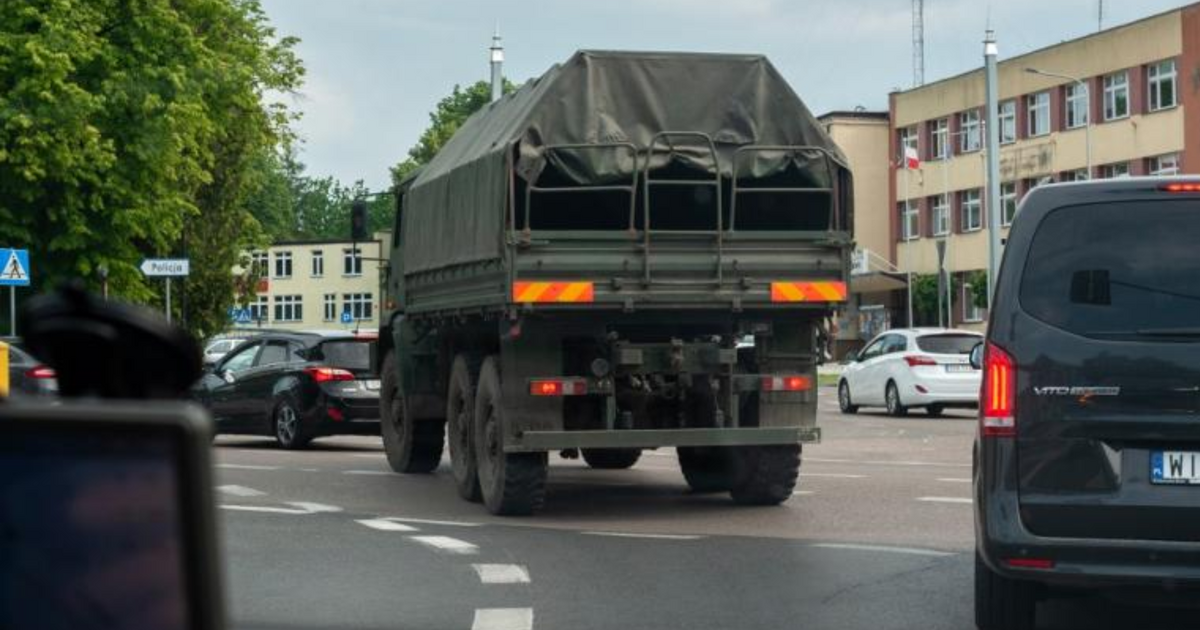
point(918, 42)
point(1099, 15)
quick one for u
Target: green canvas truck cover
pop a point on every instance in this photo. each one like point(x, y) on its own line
point(454, 209)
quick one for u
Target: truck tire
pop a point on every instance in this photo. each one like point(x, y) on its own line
point(411, 446)
point(706, 469)
point(1002, 603)
point(611, 458)
point(766, 475)
point(511, 484)
point(460, 412)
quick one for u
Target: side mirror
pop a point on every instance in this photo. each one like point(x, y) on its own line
point(227, 376)
point(851, 357)
point(977, 356)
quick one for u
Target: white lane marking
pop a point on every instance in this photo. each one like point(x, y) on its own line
point(386, 525)
point(313, 508)
point(367, 455)
point(955, 479)
point(367, 472)
point(832, 475)
point(447, 544)
point(502, 573)
point(427, 521)
point(912, 551)
point(263, 508)
point(310, 469)
point(803, 493)
point(882, 462)
point(654, 536)
point(945, 499)
point(503, 619)
point(247, 467)
point(240, 491)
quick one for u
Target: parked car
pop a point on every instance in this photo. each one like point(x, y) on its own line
point(912, 367)
point(218, 348)
point(26, 375)
point(295, 386)
point(1087, 460)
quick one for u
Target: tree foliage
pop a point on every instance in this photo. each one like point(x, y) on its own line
point(451, 112)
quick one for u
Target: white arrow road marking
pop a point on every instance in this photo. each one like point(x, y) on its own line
point(314, 508)
point(263, 508)
point(241, 491)
point(503, 619)
point(955, 479)
point(502, 573)
point(912, 551)
point(426, 521)
point(966, 500)
point(803, 493)
point(655, 536)
point(447, 544)
point(386, 525)
point(247, 467)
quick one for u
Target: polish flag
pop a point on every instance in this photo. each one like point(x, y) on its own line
point(912, 161)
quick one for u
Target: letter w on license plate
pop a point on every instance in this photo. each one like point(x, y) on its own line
point(1175, 467)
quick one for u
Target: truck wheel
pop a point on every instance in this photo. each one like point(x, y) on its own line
point(510, 483)
point(766, 474)
point(1002, 603)
point(460, 410)
point(411, 446)
point(706, 469)
point(611, 458)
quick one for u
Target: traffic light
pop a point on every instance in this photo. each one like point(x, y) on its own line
point(358, 220)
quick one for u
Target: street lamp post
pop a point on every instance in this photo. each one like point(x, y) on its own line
point(1087, 97)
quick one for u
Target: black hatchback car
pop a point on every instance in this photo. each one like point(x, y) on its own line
point(1087, 461)
point(295, 387)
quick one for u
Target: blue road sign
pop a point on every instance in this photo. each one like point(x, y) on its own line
point(242, 316)
point(347, 318)
point(14, 267)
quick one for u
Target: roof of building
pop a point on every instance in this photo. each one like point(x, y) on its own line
point(1065, 42)
point(854, 113)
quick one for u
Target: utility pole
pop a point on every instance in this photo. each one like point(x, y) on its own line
point(918, 42)
point(497, 50)
point(992, 87)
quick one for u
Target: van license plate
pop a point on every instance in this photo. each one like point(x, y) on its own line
point(959, 367)
point(1175, 467)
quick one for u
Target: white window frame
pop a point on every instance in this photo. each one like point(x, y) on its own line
point(939, 214)
point(939, 136)
point(359, 305)
point(1113, 88)
point(971, 314)
point(288, 308)
point(318, 263)
point(1116, 170)
point(1075, 105)
point(330, 307)
point(910, 220)
point(260, 309)
point(1008, 121)
point(1156, 76)
point(352, 262)
point(1008, 203)
point(1158, 164)
point(260, 263)
point(965, 208)
point(908, 137)
point(1038, 110)
point(970, 139)
point(283, 262)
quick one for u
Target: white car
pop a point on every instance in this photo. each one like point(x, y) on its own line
point(218, 349)
point(912, 367)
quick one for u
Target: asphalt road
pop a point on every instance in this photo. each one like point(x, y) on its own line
point(878, 536)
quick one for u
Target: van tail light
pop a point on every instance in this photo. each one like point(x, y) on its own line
point(328, 374)
point(1183, 187)
point(40, 371)
point(998, 394)
point(793, 383)
point(558, 387)
point(917, 359)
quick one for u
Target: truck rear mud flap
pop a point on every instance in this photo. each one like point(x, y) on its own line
point(532, 441)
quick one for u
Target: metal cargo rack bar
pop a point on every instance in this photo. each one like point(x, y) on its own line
point(631, 188)
point(775, 148)
point(665, 137)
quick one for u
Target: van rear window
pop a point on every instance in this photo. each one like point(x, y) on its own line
point(948, 344)
point(1116, 270)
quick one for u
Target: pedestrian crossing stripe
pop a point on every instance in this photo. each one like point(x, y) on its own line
point(15, 270)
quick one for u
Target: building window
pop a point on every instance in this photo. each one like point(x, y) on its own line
point(1162, 84)
point(1039, 114)
point(940, 135)
point(259, 264)
point(1163, 164)
point(289, 308)
point(283, 264)
point(1113, 171)
point(318, 263)
point(1116, 96)
point(969, 131)
point(357, 304)
point(1008, 202)
point(1028, 185)
point(972, 210)
point(330, 304)
point(971, 313)
point(258, 309)
point(1077, 175)
point(910, 220)
point(1077, 105)
point(352, 262)
point(906, 138)
point(941, 215)
point(1008, 122)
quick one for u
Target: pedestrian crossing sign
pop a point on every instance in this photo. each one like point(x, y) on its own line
point(14, 267)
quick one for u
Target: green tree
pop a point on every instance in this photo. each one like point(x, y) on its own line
point(451, 112)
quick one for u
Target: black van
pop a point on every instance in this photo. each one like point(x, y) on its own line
point(1087, 460)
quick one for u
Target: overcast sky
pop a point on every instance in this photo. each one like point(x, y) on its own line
point(377, 67)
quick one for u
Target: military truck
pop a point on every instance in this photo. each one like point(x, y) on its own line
point(632, 251)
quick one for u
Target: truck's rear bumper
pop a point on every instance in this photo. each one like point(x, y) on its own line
point(650, 438)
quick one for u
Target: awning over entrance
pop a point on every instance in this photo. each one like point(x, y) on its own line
point(877, 282)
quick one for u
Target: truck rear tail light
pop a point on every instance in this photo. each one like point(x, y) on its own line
point(917, 359)
point(1029, 563)
point(328, 374)
point(998, 394)
point(558, 387)
point(792, 383)
point(40, 371)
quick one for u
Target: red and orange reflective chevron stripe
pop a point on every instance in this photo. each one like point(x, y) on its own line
point(553, 292)
point(825, 291)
